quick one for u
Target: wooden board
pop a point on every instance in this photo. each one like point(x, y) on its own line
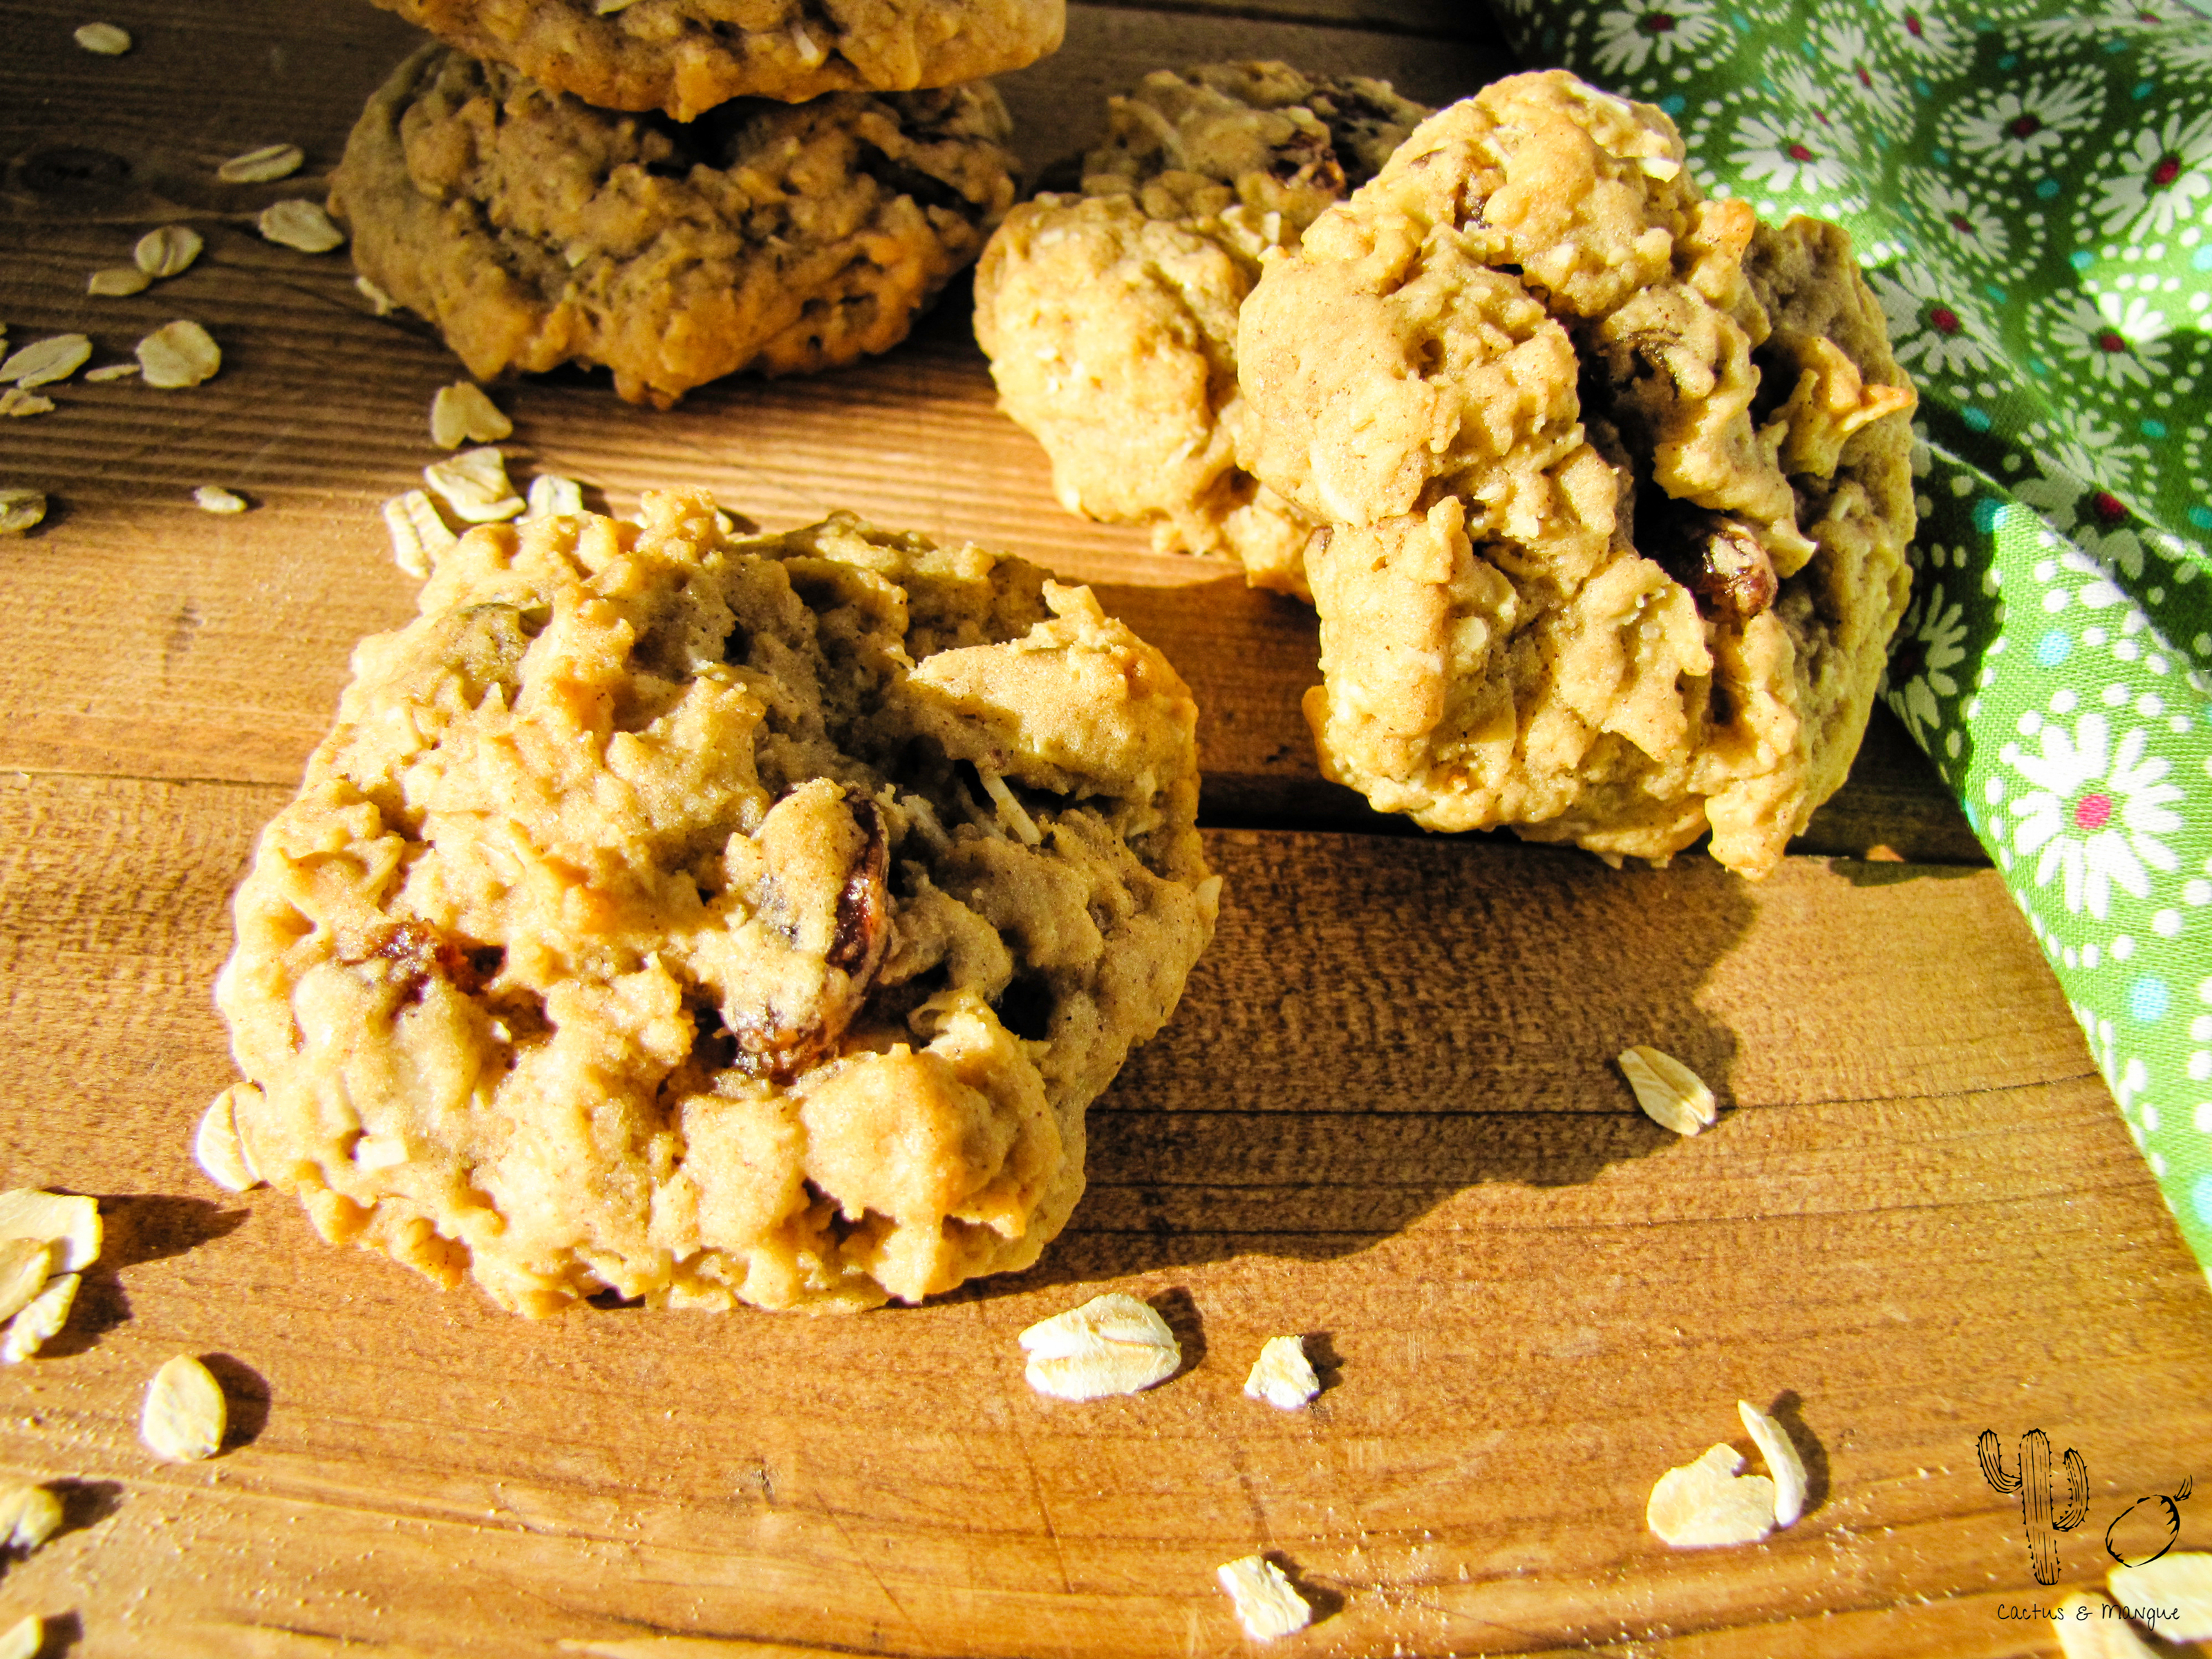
point(1385, 1116)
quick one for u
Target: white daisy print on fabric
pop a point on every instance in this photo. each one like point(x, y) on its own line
point(2031, 125)
point(2156, 178)
point(2185, 53)
point(2094, 813)
point(1628, 39)
point(1931, 642)
point(1982, 233)
point(1928, 43)
point(1800, 154)
point(1933, 326)
point(1864, 79)
point(2119, 340)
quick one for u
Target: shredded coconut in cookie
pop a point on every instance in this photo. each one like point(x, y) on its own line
point(1614, 480)
point(659, 917)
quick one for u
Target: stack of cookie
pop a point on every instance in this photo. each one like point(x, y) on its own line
point(681, 189)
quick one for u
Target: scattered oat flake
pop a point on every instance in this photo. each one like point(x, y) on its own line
point(69, 1222)
point(29, 1515)
point(259, 167)
point(23, 1638)
point(1706, 1504)
point(24, 1265)
point(16, 402)
point(105, 39)
point(2182, 1580)
point(20, 509)
point(168, 251)
point(179, 354)
point(418, 534)
point(1671, 1094)
point(302, 224)
point(182, 1420)
point(1283, 1375)
point(552, 496)
point(608, 8)
point(40, 1321)
point(214, 498)
point(1266, 1605)
point(217, 1147)
point(1786, 1469)
point(117, 282)
point(385, 304)
point(462, 413)
point(474, 483)
point(2090, 1627)
point(1113, 1344)
point(113, 372)
point(44, 361)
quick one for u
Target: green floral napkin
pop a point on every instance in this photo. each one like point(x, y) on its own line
point(2030, 187)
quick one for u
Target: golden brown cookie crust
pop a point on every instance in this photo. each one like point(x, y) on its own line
point(1615, 480)
point(710, 918)
point(535, 231)
point(1110, 317)
point(685, 56)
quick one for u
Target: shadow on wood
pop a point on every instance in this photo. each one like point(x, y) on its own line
point(1303, 1115)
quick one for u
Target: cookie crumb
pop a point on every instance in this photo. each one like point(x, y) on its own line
point(1266, 1604)
point(1706, 1504)
point(16, 403)
point(117, 282)
point(1113, 1344)
point(29, 1514)
point(261, 167)
point(552, 496)
point(2182, 1580)
point(40, 1321)
point(168, 251)
point(299, 223)
point(418, 533)
point(182, 1420)
point(44, 361)
point(214, 498)
point(105, 39)
point(1786, 1469)
point(20, 509)
point(1283, 1375)
point(23, 1638)
point(1671, 1094)
point(463, 413)
point(179, 354)
point(474, 483)
point(69, 1222)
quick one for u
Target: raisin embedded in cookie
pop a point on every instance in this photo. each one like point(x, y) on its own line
point(535, 230)
point(1110, 317)
point(685, 56)
point(710, 918)
point(1615, 481)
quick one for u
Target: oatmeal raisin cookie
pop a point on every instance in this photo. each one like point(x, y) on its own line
point(1615, 479)
point(705, 917)
point(1110, 316)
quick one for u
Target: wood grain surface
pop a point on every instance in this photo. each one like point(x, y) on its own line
point(1385, 1116)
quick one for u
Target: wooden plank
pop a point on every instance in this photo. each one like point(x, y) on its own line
point(1383, 1116)
point(220, 645)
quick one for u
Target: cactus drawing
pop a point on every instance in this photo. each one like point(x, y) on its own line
point(2043, 1519)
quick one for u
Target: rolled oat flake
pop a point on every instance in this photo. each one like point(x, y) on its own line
point(105, 39)
point(301, 224)
point(182, 1420)
point(179, 354)
point(259, 167)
